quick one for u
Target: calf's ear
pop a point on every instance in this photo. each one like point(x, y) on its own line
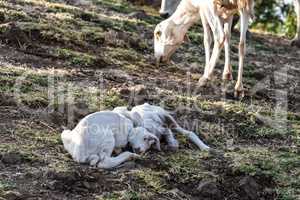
point(136, 119)
point(157, 142)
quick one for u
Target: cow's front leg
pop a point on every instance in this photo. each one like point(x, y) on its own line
point(218, 45)
point(218, 34)
point(239, 90)
point(227, 73)
point(296, 40)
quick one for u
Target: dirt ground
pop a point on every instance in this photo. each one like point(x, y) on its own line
point(60, 60)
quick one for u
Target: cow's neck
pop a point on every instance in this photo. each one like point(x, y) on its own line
point(185, 16)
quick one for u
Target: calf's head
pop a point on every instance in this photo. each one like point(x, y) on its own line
point(141, 140)
point(168, 36)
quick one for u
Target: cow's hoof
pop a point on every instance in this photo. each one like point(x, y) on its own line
point(203, 81)
point(240, 94)
point(295, 43)
point(227, 77)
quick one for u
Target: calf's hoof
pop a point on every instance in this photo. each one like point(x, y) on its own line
point(203, 81)
point(295, 43)
point(134, 156)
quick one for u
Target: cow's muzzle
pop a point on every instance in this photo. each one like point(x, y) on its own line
point(164, 15)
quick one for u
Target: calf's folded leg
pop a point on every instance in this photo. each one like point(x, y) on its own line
point(93, 159)
point(171, 141)
point(111, 162)
point(190, 135)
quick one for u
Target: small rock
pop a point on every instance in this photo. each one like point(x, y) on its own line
point(154, 3)
point(129, 165)
point(80, 189)
point(81, 109)
point(194, 67)
point(250, 187)
point(139, 94)
point(12, 195)
point(259, 74)
point(6, 100)
point(136, 94)
point(209, 190)
point(216, 153)
point(51, 185)
point(295, 43)
point(125, 91)
point(2, 17)
point(97, 175)
point(86, 185)
point(139, 89)
point(236, 149)
point(11, 158)
point(269, 191)
point(55, 117)
point(138, 14)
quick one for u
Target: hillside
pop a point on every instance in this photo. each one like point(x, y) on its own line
point(60, 61)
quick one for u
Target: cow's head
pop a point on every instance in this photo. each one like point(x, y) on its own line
point(168, 36)
point(168, 7)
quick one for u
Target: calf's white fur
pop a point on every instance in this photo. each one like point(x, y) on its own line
point(97, 135)
point(217, 18)
point(159, 122)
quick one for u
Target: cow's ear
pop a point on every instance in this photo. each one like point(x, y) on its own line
point(186, 39)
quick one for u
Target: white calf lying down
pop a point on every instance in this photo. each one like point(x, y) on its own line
point(159, 122)
point(97, 135)
point(216, 17)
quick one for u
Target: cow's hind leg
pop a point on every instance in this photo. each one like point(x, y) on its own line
point(296, 40)
point(227, 73)
point(239, 90)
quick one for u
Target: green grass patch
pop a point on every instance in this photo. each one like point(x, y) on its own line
point(152, 179)
point(6, 186)
point(280, 165)
point(186, 167)
point(77, 58)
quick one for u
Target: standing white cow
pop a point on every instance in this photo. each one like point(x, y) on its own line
point(168, 7)
point(216, 17)
point(296, 40)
